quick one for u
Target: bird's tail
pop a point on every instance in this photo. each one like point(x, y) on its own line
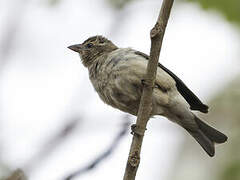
point(207, 136)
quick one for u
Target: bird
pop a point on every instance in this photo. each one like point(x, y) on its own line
point(117, 74)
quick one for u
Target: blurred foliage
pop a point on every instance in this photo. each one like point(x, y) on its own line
point(119, 4)
point(53, 2)
point(228, 103)
point(229, 8)
point(225, 116)
point(226, 109)
point(232, 171)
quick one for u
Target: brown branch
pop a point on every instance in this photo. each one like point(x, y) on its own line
point(17, 175)
point(144, 111)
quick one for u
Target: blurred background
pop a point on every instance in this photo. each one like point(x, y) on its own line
point(52, 123)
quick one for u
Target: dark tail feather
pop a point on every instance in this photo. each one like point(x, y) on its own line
point(213, 134)
point(204, 141)
point(206, 136)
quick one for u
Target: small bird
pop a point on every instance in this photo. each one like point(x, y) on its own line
point(117, 73)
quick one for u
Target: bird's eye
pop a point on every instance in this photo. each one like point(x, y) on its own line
point(89, 45)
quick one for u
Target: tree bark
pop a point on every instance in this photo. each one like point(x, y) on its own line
point(145, 107)
point(17, 175)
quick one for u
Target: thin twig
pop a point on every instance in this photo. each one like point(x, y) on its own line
point(157, 34)
point(102, 156)
point(51, 145)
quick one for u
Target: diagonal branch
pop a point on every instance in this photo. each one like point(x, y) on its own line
point(157, 34)
point(92, 165)
point(51, 145)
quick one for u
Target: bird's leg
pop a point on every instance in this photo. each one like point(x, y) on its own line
point(143, 82)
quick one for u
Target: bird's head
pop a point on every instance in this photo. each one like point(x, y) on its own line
point(92, 48)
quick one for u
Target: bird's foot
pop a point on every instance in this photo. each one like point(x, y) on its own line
point(147, 82)
point(135, 129)
point(143, 82)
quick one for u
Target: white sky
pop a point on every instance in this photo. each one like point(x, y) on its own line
point(45, 83)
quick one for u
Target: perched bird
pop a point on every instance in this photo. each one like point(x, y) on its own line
point(117, 74)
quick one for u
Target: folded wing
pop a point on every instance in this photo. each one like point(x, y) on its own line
point(194, 102)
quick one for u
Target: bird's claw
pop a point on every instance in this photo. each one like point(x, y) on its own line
point(138, 130)
point(143, 82)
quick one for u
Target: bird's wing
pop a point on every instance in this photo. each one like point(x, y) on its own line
point(194, 102)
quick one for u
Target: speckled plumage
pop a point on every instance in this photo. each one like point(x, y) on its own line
point(117, 74)
point(117, 79)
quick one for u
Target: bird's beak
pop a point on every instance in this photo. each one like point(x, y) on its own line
point(76, 47)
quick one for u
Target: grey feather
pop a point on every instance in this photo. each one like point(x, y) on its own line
point(116, 75)
point(213, 134)
point(204, 141)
